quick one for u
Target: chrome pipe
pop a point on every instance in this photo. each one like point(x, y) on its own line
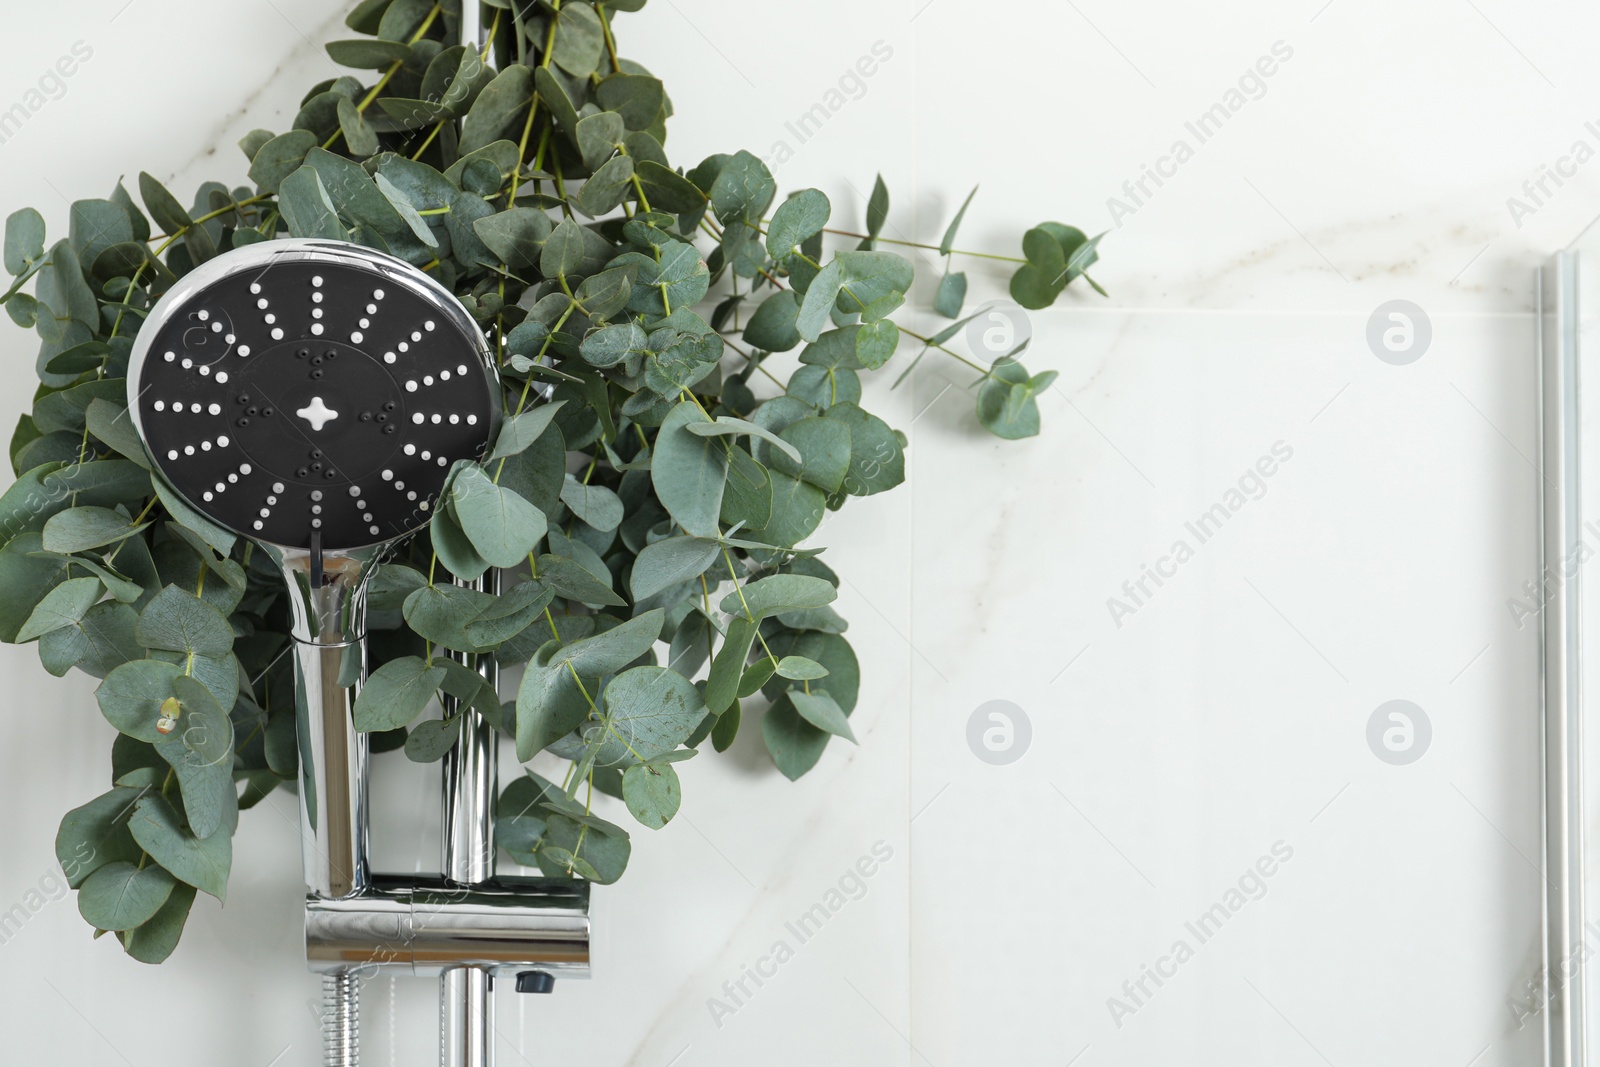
point(472, 27)
point(466, 994)
point(466, 1018)
point(429, 928)
point(1560, 536)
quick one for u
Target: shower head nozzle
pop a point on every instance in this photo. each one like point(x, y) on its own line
point(311, 393)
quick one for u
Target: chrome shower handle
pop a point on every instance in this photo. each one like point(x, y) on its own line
point(333, 769)
point(327, 598)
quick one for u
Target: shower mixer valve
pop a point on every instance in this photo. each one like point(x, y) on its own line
point(312, 396)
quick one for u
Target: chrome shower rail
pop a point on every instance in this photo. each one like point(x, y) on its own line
point(1561, 496)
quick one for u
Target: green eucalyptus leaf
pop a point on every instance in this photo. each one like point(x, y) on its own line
point(563, 251)
point(24, 310)
point(819, 709)
point(578, 41)
point(78, 529)
point(948, 241)
point(747, 498)
point(778, 593)
point(649, 711)
point(652, 792)
point(568, 850)
point(728, 666)
point(280, 157)
point(666, 189)
point(798, 218)
point(868, 279)
point(403, 18)
point(824, 386)
point(725, 425)
point(441, 614)
point(502, 526)
point(453, 547)
point(516, 236)
point(795, 744)
point(367, 54)
point(503, 100)
point(167, 211)
point(677, 278)
point(598, 137)
point(96, 644)
point(306, 208)
point(800, 669)
point(877, 207)
point(509, 615)
point(608, 652)
point(797, 510)
point(607, 187)
point(154, 941)
point(96, 834)
point(396, 693)
point(555, 98)
point(603, 295)
point(108, 421)
point(726, 729)
point(131, 696)
point(952, 295)
point(638, 98)
point(611, 345)
point(178, 621)
point(96, 225)
point(201, 862)
point(667, 562)
point(551, 703)
point(521, 431)
point(367, 16)
point(209, 801)
point(1006, 401)
point(824, 447)
point(689, 472)
point(830, 650)
point(772, 327)
point(594, 504)
point(877, 458)
point(24, 245)
point(570, 581)
point(756, 676)
point(430, 739)
point(407, 211)
point(65, 605)
point(743, 190)
point(206, 731)
point(120, 895)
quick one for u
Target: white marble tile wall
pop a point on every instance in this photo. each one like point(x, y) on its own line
point(1223, 721)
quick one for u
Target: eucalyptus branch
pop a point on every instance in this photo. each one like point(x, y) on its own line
point(654, 468)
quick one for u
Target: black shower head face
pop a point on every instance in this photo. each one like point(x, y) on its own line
point(312, 392)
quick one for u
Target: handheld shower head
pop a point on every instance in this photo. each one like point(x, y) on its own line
point(311, 395)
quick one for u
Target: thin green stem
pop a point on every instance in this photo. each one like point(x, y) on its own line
point(436, 128)
point(611, 42)
point(931, 248)
point(953, 355)
point(739, 588)
point(753, 361)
